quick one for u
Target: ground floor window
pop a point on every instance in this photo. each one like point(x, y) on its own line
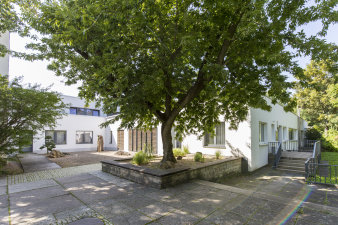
point(218, 139)
point(262, 132)
point(84, 137)
point(58, 136)
point(292, 135)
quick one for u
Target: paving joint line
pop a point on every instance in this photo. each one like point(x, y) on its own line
point(285, 200)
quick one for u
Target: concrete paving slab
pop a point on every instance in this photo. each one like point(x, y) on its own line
point(94, 194)
point(178, 217)
point(3, 201)
point(28, 219)
point(3, 181)
point(4, 216)
point(135, 218)
point(3, 190)
point(156, 210)
point(78, 178)
point(47, 206)
point(111, 208)
point(87, 221)
point(86, 184)
point(27, 198)
point(223, 217)
point(74, 214)
point(34, 162)
point(30, 186)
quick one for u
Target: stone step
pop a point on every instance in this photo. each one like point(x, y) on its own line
point(291, 171)
point(292, 160)
point(292, 167)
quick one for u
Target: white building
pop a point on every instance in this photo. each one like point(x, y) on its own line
point(79, 130)
point(4, 61)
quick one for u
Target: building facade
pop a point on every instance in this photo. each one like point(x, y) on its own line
point(4, 61)
point(79, 130)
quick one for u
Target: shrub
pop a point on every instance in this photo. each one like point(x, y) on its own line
point(198, 157)
point(186, 149)
point(218, 154)
point(148, 150)
point(140, 158)
point(49, 144)
point(178, 152)
point(312, 134)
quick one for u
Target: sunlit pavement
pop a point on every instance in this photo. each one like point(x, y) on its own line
point(265, 197)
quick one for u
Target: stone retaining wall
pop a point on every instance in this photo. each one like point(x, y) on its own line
point(164, 178)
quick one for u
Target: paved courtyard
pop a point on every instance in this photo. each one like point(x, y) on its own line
point(265, 197)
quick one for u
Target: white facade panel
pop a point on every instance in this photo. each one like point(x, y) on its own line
point(4, 61)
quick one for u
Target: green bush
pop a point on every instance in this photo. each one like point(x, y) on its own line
point(218, 154)
point(148, 150)
point(178, 152)
point(198, 157)
point(312, 134)
point(49, 144)
point(330, 141)
point(140, 158)
point(186, 149)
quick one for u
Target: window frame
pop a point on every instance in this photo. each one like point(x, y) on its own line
point(215, 145)
point(262, 136)
point(54, 137)
point(92, 136)
point(84, 111)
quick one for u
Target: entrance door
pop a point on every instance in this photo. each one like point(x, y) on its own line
point(29, 147)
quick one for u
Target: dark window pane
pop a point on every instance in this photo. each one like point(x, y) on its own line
point(81, 111)
point(89, 112)
point(96, 113)
point(72, 111)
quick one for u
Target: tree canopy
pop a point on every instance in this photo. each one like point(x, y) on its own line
point(179, 63)
point(317, 97)
point(24, 110)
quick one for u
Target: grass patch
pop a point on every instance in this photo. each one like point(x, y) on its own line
point(332, 178)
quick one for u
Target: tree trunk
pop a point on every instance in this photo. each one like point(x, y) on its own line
point(168, 155)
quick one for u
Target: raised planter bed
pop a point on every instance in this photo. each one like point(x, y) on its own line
point(159, 178)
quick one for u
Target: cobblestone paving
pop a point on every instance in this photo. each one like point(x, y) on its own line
point(54, 173)
point(94, 194)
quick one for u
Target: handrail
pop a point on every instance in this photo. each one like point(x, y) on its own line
point(277, 155)
point(316, 151)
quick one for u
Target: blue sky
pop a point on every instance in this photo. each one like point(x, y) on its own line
point(36, 72)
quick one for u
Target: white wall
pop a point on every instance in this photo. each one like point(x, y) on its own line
point(71, 124)
point(4, 61)
point(280, 119)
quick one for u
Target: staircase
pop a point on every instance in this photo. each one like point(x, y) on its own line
point(293, 162)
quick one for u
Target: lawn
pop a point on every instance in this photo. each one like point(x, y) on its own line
point(332, 157)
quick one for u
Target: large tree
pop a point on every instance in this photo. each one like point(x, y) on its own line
point(317, 97)
point(24, 110)
point(179, 63)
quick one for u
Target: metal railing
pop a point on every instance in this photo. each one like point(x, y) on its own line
point(308, 143)
point(272, 146)
point(320, 172)
point(277, 154)
point(290, 145)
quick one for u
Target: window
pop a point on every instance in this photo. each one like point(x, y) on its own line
point(96, 113)
point(59, 136)
point(292, 134)
point(83, 111)
point(84, 137)
point(111, 137)
point(73, 111)
point(262, 132)
point(218, 139)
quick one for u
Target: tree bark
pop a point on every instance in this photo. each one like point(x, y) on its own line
point(168, 154)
